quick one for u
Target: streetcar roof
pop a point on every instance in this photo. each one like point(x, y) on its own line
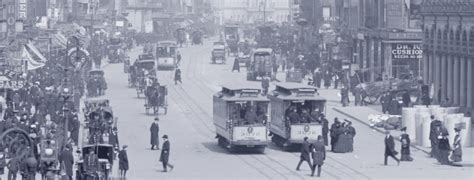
point(295, 92)
point(96, 145)
point(241, 92)
point(263, 50)
point(91, 100)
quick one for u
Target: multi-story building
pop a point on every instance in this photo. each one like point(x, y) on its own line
point(382, 32)
point(448, 39)
point(251, 11)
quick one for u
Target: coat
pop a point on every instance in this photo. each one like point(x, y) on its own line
point(405, 141)
point(154, 138)
point(456, 156)
point(390, 146)
point(319, 153)
point(74, 128)
point(113, 140)
point(67, 160)
point(165, 152)
point(305, 151)
point(123, 160)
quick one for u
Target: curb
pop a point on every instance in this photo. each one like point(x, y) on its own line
point(377, 129)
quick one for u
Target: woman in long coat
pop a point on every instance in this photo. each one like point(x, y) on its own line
point(456, 156)
point(343, 143)
point(123, 161)
point(318, 152)
point(444, 149)
point(405, 147)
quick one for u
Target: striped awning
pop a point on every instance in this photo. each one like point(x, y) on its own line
point(36, 52)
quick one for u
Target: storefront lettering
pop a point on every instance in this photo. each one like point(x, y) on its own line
point(407, 51)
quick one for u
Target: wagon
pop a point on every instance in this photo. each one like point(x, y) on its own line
point(156, 99)
point(395, 86)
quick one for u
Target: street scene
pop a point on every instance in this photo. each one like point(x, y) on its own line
point(236, 89)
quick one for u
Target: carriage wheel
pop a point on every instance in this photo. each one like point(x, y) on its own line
point(371, 99)
point(17, 141)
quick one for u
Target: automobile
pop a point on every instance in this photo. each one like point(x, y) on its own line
point(102, 169)
point(218, 53)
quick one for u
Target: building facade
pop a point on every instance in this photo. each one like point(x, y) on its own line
point(448, 40)
point(252, 11)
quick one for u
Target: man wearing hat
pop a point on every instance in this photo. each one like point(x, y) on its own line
point(123, 161)
point(154, 131)
point(67, 160)
point(390, 148)
point(405, 145)
point(165, 154)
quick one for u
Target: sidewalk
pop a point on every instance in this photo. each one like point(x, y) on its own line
point(360, 114)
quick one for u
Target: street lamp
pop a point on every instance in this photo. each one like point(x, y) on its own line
point(66, 95)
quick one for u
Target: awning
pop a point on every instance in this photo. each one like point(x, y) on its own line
point(59, 40)
point(36, 52)
point(32, 64)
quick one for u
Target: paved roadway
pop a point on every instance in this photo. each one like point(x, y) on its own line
point(194, 150)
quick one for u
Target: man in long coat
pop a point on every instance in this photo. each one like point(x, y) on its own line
point(165, 154)
point(67, 160)
point(318, 152)
point(325, 126)
point(305, 150)
point(154, 138)
point(390, 148)
point(435, 131)
point(74, 129)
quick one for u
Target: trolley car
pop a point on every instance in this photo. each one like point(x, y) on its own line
point(166, 55)
point(240, 117)
point(289, 98)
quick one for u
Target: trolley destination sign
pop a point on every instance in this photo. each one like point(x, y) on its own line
point(407, 51)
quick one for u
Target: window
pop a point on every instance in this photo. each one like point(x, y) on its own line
point(326, 12)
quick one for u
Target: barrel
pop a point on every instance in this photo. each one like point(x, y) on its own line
point(409, 121)
point(466, 133)
point(425, 132)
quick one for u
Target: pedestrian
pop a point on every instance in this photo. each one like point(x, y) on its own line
point(67, 161)
point(178, 57)
point(456, 156)
point(13, 166)
point(405, 146)
point(336, 80)
point(344, 97)
point(318, 152)
point(325, 126)
point(304, 156)
point(390, 148)
point(123, 161)
point(394, 107)
point(425, 99)
point(113, 139)
point(333, 133)
point(236, 66)
point(385, 100)
point(74, 128)
point(165, 154)
point(265, 85)
point(155, 138)
point(444, 148)
point(406, 99)
point(363, 95)
point(356, 92)
point(435, 131)
point(177, 76)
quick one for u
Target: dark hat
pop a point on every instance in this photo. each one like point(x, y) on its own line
point(156, 118)
point(403, 129)
point(457, 129)
point(348, 122)
point(124, 146)
point(165, 136)
point(387, 132)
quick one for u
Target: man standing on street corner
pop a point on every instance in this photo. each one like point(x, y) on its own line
point(123, 161)
point(155, 138)
point(165, 154)
point(304, 154)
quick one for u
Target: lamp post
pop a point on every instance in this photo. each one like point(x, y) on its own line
point(65, 94)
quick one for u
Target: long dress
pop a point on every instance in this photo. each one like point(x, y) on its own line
point(405, 148)
point(344, 141)
point(456, 156)
point(444, 148)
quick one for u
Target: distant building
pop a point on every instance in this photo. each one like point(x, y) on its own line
point(244, 11)
point(448, 39)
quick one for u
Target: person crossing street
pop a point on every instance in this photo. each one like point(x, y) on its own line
point(154, 131)
point(165, 154)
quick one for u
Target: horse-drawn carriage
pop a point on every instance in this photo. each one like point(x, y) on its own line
point(218, 52)
point(116, 52)
point(96, 84)
point(396, 87)
point(197, 37)
point(155, 98)
point(99, 120)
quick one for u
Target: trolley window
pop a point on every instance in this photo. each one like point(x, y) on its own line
point(248, 112)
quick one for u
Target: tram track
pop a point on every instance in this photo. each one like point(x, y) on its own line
point(192, 73)
point(335, 164)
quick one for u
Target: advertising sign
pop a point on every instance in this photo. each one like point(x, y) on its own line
point(6, 81)
point(407, 51)
point(298, 132)
point(22, 9)
point(254, 133)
